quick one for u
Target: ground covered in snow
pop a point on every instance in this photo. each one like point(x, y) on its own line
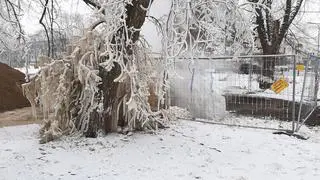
point(187, 150)
point(17, 117)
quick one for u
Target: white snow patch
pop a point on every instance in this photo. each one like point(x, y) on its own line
point(31, 70)
point(187, 150)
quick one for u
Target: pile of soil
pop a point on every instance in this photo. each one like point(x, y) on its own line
point(11, 96)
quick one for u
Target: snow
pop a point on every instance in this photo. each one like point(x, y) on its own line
point(31, 70)
point(187, 150)
point(239, 84)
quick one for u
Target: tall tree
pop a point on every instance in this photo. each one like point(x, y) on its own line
point(207, 27)
point(103, 84)
point(273, 19)
point(135, 17)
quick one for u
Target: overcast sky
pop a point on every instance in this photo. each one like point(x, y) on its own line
point(33, 13)
point(305, 29)
point(161, 7)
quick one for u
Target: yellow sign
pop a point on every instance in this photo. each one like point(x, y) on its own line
point(300, 67)
point(279, 85)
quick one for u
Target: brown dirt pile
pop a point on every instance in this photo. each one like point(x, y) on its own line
point(11, 96)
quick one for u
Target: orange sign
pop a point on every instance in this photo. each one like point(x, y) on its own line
point(279, 85)
point(300, 67)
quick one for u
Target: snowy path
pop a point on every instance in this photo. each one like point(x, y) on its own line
point(188, 150)
point(17, 117)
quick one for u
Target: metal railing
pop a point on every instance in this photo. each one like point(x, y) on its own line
point(220, 88)
point(310, 93)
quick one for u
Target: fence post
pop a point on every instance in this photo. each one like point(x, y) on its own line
point(317, 59)
point(315, 95)
point(250, 76)
point(302, 93)
point(294, 94)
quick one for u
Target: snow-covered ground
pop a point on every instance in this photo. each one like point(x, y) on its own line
point(17, 117)
point(31, 70)
point(187, 150)
point(240, 84)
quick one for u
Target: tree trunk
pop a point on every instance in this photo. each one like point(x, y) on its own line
point(271, 33)
point(268, 68)
point(113, 92)
point(110, 101)
point(269, 63)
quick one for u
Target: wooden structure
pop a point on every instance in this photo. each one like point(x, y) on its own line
point(249, 104)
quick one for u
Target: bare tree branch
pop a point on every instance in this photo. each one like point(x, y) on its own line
point(44, 26)
point(16, 21)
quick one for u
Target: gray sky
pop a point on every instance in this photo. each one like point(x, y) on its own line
point(158, 9)
point(31, 17)
point(306, 32)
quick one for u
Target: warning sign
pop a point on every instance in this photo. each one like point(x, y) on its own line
point(279, 85)
point(300, 67)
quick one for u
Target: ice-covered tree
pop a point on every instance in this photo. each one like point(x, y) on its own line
point(203, 28)
point(10, 28)
point(109, 82)
point(12, 37)
point(105, 83)
point(208, 28)
point(70, 24)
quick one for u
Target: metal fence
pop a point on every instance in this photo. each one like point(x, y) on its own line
point(220, 88)
point(309, 108)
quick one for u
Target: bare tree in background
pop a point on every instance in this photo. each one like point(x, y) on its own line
point(273, 19)
point(10, 28)
point(12, 36)
point(70, 24)
point(10, 12)
point(47, 12)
